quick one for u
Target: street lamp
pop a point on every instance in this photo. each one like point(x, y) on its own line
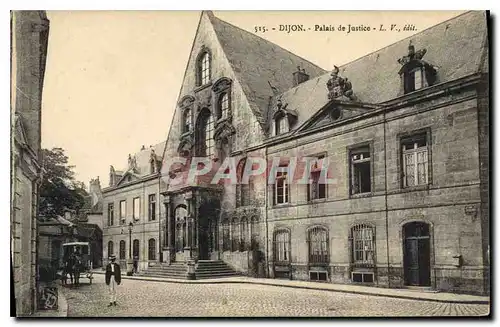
point(130, 263)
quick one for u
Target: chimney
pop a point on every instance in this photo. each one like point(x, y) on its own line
point(299, 76)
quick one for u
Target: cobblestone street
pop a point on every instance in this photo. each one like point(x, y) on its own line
point(159, 299)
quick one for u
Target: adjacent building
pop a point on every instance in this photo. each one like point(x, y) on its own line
point(404, 131)
point(131, 208)
point(29, 37)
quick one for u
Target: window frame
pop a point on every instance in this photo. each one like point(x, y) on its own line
point(355, 240)
point(402, 138)
point(187, 120)
point(352, 149)
point(279, 122)
point(223, 110)
point(123, 211)
point(202, 78)
point(286, 257)
point(123, 250)
point(152, 207)
point(283, 178)
point(313, 174)
point(152, 250)
point(324, 246)
point(111, 249)
point(111, 214)
point(134, 217)
point(206, 130)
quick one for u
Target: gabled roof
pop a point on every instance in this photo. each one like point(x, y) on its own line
point(257, 63)
point(455, 47)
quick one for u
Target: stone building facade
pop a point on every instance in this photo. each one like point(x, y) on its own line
point(29, 37)
point(403, 133)
point(132, 197)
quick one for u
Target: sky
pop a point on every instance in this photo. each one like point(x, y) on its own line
point(113, 77)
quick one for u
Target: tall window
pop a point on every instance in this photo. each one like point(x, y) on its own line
point(282, 246)
point(363, 244)
point(206, 134)
point(204, 69)
point(186, 121)
point(137, 208)
point(281, 188)
point(152, 249)
point(361, 170)
point(111, 214)
point(122, 250)
point(123, 211)
point(318, 245)
point(135, 248)
point(223, 106)
point(110, 249)
point(415, 160)
point(152, 207)
point(235, 234)
point(316, 187)
point(226, 239)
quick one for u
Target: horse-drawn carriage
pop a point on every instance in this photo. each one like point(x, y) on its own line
point(77, 261)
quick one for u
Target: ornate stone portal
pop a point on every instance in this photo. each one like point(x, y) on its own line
point(191, 227)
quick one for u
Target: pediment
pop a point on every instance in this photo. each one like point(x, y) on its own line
point(333, 112)
point(128, 177)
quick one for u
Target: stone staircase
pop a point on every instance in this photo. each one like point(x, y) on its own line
point(205, 269)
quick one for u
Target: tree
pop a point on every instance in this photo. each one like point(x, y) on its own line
point(59, 190)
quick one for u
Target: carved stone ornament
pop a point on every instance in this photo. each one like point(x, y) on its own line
point(338, 86)
point(204, 100)
point(186, 143)
point(132, 163)
point(224, 131)
point(186, 101)
point(412, 55)
point(221, 85)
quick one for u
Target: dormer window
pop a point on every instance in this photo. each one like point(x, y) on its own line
point(281, 125)
point(186, 121)
point(413, 80)
point(203, 67)
point(415, 73)
point(223, 106)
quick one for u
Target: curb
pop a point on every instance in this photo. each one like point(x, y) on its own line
point(397, 296)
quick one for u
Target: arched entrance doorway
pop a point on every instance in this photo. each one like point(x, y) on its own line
point(417, 254)
point(207, 231)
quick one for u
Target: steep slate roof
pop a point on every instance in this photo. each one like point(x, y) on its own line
point(258, 62)
point(455, 47)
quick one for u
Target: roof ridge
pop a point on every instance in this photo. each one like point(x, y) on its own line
point(406, 38)
point(261, 38)
point(380, 49)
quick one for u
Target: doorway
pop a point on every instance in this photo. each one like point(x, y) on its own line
point(416, 253)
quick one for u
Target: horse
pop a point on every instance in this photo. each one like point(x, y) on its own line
point(73, 268)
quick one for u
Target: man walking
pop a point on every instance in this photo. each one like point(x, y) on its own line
point(113, 278)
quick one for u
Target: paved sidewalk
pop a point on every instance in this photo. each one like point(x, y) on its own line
point(344, 288)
